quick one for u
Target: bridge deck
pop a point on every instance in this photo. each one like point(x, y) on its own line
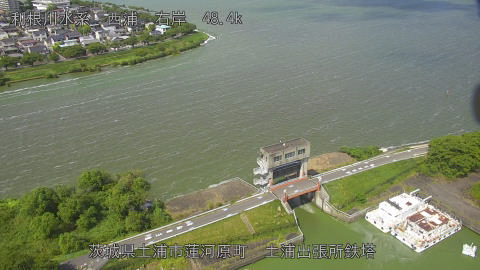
point(294, 188)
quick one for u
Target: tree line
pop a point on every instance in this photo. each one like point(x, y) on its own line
point(47, 222)
point(453, 156)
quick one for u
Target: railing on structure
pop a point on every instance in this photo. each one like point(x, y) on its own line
point(288, 182)
point(298, 238)
point(333, 211)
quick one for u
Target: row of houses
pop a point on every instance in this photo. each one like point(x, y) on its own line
point(18, 39)
point(13, 6)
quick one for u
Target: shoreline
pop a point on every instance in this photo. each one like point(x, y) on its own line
point(45, 70)
point(210, 37)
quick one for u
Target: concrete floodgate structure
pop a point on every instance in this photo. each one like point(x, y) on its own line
point(413, 221)
point(287, 159)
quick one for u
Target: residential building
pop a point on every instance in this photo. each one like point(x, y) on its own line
point(11, 30)
point(7, 42)
point(57, 39)
point(87, 40)
point(69, 42)
point(39, 35)
point(43, 4)
point(3, 34)
point(40, 49)
point(162, 28)
point(9, 6)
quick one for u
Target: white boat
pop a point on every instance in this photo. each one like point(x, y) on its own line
point(469, 250)
point(413, 221)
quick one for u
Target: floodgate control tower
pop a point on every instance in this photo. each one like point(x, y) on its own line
point(282, 161)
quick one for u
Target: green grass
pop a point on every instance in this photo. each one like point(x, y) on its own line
point(64, 258)
point(269, 221)
point(474, 191)
point(355, 190)
point(126, 57)
point(402, 149)
point(264, 219)
point(361, 153)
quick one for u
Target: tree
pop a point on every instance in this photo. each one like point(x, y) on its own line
point(3, 80)
point(72, 51)
point(453, 156)
point(63, 191)
point(136, 221)
point(30, 58)
point(96, 47)
point(53, 57)
point(145, 37)
point(115, 44)
point(51, 7)
point(132, 40)
point(69, 210)
point(128, 194)
point(84, 29)
point(70, 242)
point(27, 5)
point(8, 61)
point(160, 217)
point(44, 226)
point(39, 201)
point(186, 28)
point(88, 219)
point(151, 27)
point(56, 47)
point(93, 180)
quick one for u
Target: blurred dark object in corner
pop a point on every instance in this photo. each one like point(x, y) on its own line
point(476, 101)
point(478, 7)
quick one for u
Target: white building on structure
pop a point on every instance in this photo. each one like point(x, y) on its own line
point(413, 221)
point(285, 159)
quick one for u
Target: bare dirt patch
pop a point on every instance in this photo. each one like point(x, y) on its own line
point(328, 161)
point(216, 195)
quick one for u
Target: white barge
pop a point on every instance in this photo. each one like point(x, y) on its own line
point(413, 221)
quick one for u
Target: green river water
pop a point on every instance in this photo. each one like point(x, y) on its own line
point(320, 228)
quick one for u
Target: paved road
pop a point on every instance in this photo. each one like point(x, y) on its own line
point(183, 226)
point(298, 187)
point(374, 162)
point(291, 188)
point(177, 228)
point(294, 188)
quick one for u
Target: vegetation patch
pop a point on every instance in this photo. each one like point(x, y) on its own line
point(453, 156)
point(361, 153)
point(270, 222)
point(474, 192)
point(53, 222)
point(354, 191)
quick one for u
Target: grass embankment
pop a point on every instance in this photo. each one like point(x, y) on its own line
point(361, 153)
point(95, 62)
point(354, 191)
point(474, 191)
point(270, 222)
